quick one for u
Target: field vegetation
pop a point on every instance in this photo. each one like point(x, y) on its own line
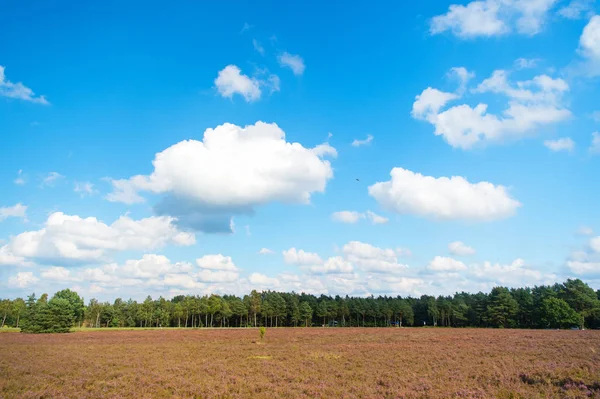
point(302, 363)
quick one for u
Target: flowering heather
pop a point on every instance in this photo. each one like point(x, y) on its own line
point(301, 362)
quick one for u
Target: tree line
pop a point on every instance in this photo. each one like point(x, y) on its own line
point(567, 305)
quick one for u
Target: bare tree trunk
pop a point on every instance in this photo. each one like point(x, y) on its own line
point(18, 320)
point(97, 319)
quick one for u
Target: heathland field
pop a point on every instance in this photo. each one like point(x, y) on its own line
point(302, 362)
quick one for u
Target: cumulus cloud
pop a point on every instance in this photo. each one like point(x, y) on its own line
point(18, 90)
point(333, 265)
point(443, 198)
point(70, 237)
point(299, 257)
point(216, 262)
point(444, 264)
point(294, 62)
point(514, 274)
point(231, 81)
point(595, 244)
point(22, 280)
point(231, 171)
point(352, 217)
point(562, 144)
point(367, 141)
point(487, 18)
point(460, 249)
point(370, 258)
point(16, 211)
point(531, 104)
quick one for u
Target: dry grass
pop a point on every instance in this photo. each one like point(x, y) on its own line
point(311, 363)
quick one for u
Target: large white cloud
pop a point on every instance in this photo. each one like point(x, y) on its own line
point(531, 105)
point(443, 198)
point(70, 237)
point(217, 262)
point(589, 42)
point(486, 18)
point(18, 90)
point(231, 81)
point(231, 171)
point(16, 211)
point(514, 274)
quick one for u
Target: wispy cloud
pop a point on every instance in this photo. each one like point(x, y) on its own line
point(294, 62)
point(84, 188)
point(51, 179)
point(358, 143)
point(20, 180)
point(18, 90)
point(258, 47)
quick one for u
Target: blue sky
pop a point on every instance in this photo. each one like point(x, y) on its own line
point(397, 149)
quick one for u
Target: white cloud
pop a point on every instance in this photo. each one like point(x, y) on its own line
point(595, 244)
point(375, 218)
point(18, 90)
point(51, 179)
point(88, 239)
point(231, 81)
point(257, 46)
point(576, 9)
point(84, 188)
point(562, 144)
point(124, 191)
point(486, 18)
point(531, 105)
point(595, 147)
point(231, 171)
point(20, 180)
point(217, 262)
point(429, 102)
point(526, 63)
point(589, 42)
point(584, 268)
point(262, 281)
point(16, 211)
point(7, 258)
point(372, 259)
point(246, 27)
point(347, 216)
point(333, 265)
point(58, 273)
point(513, 274)
point(460, 249)
point(585, 231)
point(444, 264)
point(22, 280)
point(352, 217)
point(266, 251)
point(443, 198)
point(367, 141)
point(301, 258)
point(463, 76)
point(294, 62)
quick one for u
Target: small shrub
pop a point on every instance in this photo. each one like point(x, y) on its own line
point(262, 331)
